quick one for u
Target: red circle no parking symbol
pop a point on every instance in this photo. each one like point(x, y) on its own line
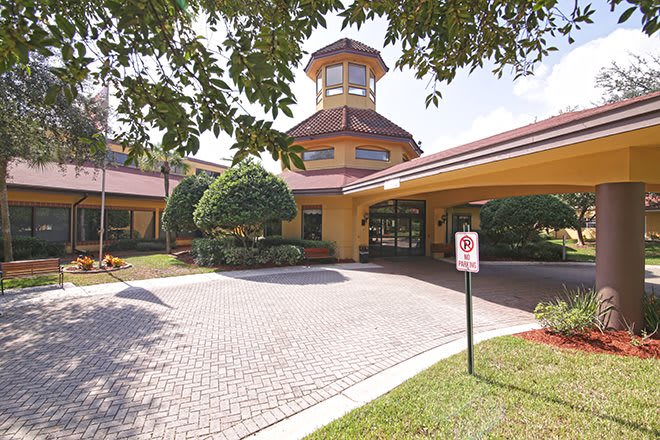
point(466, 244)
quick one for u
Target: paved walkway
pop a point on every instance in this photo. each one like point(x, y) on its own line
point(226, 355)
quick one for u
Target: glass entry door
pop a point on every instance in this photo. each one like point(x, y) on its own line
point(397, 228)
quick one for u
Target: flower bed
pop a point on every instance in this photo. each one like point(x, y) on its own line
point(619, 342)
point(86, 264)
point(76, 269)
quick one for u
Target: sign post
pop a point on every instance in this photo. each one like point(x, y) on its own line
point(467, 260)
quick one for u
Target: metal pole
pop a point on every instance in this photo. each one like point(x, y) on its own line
point(105, 136)
point(468, 310)
point(102, 230)
point(563, 247)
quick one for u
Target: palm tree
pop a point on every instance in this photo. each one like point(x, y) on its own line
point(163, 161)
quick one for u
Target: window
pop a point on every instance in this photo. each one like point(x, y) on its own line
point(88, 224)
point(326, 153)
point(367, 154)
point(52, 224)
point(357, 75)
point(213, 174)
point(47, 223)
point(20, 220)
point(273, 228)
point(319, 82)
point(117, 158)
point(312, 219)
point(372, 85)
point(334, 91)
point(334, 75)
point(118, 224)
point(144, 224)
point(357, 91)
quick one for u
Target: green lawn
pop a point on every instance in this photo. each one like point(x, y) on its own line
point(588, 251)
point(144, 267)
point(522, 390)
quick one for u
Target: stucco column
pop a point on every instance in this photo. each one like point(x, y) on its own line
point(620, 251)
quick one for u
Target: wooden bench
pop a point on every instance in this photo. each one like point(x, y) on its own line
point(444, 248)
point(317, 253)
point(30, 268)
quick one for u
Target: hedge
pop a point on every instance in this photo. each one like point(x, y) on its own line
point(214, 252)
point(31, 248)
point(279, 241)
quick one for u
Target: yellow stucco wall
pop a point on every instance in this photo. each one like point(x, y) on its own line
point(345, 153)
point(337, 222)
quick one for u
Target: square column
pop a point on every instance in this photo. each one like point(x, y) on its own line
point(620, 251)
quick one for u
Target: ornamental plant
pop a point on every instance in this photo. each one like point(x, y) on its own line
point(112, 261)
point(178, 213)
point(241, 201)
point(84, 263)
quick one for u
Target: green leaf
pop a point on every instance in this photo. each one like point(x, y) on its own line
point(626, 14)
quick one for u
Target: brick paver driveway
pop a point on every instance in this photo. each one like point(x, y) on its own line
point(228, 357)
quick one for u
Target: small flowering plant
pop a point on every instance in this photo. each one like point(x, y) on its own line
point(84, 263)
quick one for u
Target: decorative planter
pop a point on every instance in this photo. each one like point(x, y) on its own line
point(76, 270)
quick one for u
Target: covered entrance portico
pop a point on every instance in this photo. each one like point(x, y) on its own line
point(613, 150)
point(397, 228)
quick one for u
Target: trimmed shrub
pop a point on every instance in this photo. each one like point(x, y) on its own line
point(280, 241)
point(537, 251)
point(214, 252)
point(178, 213)
point(210, 251)
point(574, 311)
point(151, 246)
point(126, 244)
point(31, 248)
point(285, 255)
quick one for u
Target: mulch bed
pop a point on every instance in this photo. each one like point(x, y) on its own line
point(616, 342)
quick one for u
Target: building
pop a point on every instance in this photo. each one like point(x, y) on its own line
point(62, 204)
point(347, 140)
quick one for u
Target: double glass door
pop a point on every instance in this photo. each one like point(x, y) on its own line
point(399, 232)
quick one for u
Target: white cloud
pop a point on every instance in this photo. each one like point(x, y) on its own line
point(488, 124)
point(571, 81)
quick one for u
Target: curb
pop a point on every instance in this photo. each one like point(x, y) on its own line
point(309, 420)
point(538, 263)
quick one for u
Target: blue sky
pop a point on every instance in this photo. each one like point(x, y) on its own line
point(477, 105)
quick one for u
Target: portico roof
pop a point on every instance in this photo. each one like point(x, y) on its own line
point(557, 131)
point(324, 181)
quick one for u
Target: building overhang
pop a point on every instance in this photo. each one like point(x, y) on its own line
point(635, 116)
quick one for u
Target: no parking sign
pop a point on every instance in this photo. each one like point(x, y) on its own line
point(467, 251)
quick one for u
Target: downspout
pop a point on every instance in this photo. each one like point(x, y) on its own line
point(74, 222)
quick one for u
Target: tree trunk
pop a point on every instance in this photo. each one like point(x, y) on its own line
point(4, 213)
point(580, 237)
point(168, 241)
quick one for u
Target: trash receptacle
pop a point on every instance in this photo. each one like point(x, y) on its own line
point(364, 254)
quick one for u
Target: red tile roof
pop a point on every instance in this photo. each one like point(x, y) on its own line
point(350, 120)
point(118, 180)
point(326, 179)
point(346, 45)
point(531, 129)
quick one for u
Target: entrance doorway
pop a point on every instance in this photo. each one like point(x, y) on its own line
point(397, 228)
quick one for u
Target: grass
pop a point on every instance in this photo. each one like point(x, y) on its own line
point(588, 251)
point(144, 267)
point(522, 390)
